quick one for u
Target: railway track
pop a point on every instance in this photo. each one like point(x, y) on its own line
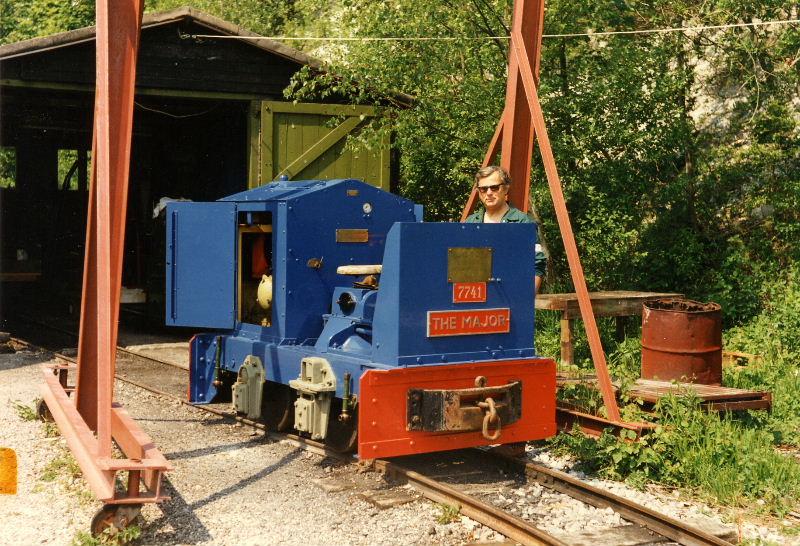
point(472, 479)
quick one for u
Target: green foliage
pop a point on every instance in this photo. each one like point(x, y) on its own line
point(714, 454)
point(458, 87)
point(23, 19)
point(63, 465)
point(24, 411)
point(265, 17)
point(109, 537)
point(773, 335)
point(677, 152)
point(448, 513)
point(774, 332)
point(8, 167)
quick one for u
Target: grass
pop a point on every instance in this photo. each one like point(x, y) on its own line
point(64, 468)
point(448, 513)
point(109, 537)
point(24, 411)
point(714, 455)
point(731, 459)
point(63, 465)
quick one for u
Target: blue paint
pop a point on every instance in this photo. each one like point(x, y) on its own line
point(317, 312)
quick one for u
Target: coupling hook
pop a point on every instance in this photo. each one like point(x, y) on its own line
point(491, 418)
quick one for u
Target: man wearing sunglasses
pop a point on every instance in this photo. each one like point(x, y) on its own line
point(492, 183)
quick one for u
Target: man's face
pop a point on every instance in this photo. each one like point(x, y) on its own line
point(492, 192)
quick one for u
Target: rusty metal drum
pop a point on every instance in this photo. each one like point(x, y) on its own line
point(682, 340)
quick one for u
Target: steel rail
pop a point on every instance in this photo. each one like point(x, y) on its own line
point(75, 336)
point(511, 526)
point(486, 514)
point(664, 525)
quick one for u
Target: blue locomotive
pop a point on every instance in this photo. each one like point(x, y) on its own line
point(334, 310)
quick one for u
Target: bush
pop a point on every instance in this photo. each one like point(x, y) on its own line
point(718, 456)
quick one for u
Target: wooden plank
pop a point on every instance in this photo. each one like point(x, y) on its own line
point(20, 277)
point(385, 163)
point(148, 91)
point(651, 390)
point(610, 303)
point(608, 308)
point(322, 109)
point(304, 148)
point(294, 143)
point(320, 147)
point(253, 144)
point(267, 143)
point(567, 342)
point(738, 405)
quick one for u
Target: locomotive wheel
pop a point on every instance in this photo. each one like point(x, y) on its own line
point(277, 406)
point(43, 412)
point(115, 517)
point(342, 436)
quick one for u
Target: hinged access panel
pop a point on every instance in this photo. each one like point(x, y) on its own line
point(201, 264)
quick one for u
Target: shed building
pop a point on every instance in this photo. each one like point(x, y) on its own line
point(210, 120)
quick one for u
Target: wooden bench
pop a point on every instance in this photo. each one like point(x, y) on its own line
point(616, 303)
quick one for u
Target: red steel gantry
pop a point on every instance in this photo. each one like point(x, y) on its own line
point(86, 414)
point(522, 121)
point(89, 419)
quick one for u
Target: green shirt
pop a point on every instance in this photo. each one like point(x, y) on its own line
point(515, 216)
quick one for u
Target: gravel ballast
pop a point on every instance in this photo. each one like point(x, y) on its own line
point(234, 485)
point(231, 484)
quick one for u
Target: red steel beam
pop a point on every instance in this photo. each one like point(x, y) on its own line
point(88, 421)
point(515, 134)
point(491, 154)
point(521, 122)
point(564, 224)
point(118, 26)
point(100, 472)
point(518, 131)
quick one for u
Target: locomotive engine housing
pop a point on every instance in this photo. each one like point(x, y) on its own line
point(332, 307)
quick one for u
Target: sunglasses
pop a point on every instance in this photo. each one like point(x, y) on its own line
point(494, 187)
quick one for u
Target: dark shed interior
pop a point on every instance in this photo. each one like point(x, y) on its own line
point(196, 109)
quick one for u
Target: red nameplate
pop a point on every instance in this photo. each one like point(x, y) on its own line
point(469, 322)
point(469, 292)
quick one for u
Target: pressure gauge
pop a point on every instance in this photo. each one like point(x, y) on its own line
point(367, 208)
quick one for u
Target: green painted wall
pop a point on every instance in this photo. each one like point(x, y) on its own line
point(307, 142)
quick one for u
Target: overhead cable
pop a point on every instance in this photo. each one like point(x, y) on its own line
point(479, 38)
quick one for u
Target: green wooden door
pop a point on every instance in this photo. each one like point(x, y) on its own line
point(307, 142)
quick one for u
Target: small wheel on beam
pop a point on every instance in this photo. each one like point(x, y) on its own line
point(115, 517)
point(43, 412)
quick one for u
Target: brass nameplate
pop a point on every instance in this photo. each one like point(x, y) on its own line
point(469, 264)
point(352, 235)
point(352, 193)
